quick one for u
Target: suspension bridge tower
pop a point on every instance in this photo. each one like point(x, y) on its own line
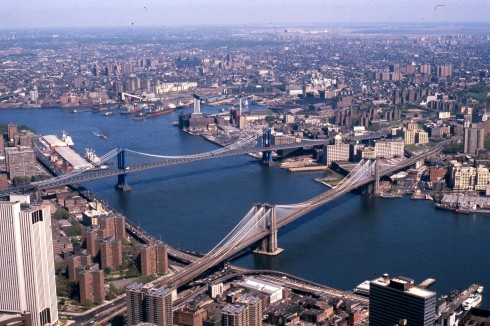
point(267, 142)
point(373, 188)
point(268, 245)
point(121, 166)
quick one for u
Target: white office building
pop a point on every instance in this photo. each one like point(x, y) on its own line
point(27, 277)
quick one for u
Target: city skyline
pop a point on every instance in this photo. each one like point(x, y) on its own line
point(53, 14)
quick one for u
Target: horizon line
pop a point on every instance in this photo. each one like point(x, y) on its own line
point(247, 25)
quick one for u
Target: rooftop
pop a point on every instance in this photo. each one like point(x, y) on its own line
point(260, 285)
point(161, 292)
point(233, 309)
point(72, 157)
point(412, 290)
point(52, 140)
point(135, 286)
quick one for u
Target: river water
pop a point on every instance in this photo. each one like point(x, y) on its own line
point(194, 205)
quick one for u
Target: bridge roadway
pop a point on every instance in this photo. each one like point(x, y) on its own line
point(94, 174)
point(200, 266)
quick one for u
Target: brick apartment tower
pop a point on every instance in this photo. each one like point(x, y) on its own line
point(153, 259)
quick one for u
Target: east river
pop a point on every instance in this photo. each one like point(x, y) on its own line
point(193, 206)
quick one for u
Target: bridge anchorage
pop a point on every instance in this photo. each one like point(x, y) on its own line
point(122, 183)
point(268, 245)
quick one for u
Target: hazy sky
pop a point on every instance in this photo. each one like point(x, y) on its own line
point(76, 13)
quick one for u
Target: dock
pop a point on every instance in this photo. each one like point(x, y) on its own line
point(425, 284)
point(308, 168)
point(455, 303)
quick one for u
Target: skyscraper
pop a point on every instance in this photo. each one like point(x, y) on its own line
point(396, 299)
point(27, 279)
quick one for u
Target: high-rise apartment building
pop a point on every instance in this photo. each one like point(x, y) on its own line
point(153, 259)
point(115, 225)
point(444, 71)
point(336, 152)
point(11, 130)
point(421, 137)
point(473, 139)
point(149, 305)
point(73, 262)
point(135, 302)
point(393, 300)
point(408, 136)
point(159, 306)
point(27, 278)
point(110, 253)
point(389, 148)
point(91, 280)
point(464, 177)
point(235, 315)
point(20, 161)
point(254, 309)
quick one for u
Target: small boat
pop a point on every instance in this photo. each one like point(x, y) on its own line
point(138, 118)
point(101, 136)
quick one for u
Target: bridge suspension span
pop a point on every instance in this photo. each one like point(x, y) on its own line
point(260, 224)
point(120, 162)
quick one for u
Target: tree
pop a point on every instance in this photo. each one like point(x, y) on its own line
point(113, 292)
point(61, 214)
point(18, 181)
point(66, 288)
point(74, 230)
point(59, 268)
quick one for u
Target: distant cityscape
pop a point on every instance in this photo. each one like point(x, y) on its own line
point(379, 112)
